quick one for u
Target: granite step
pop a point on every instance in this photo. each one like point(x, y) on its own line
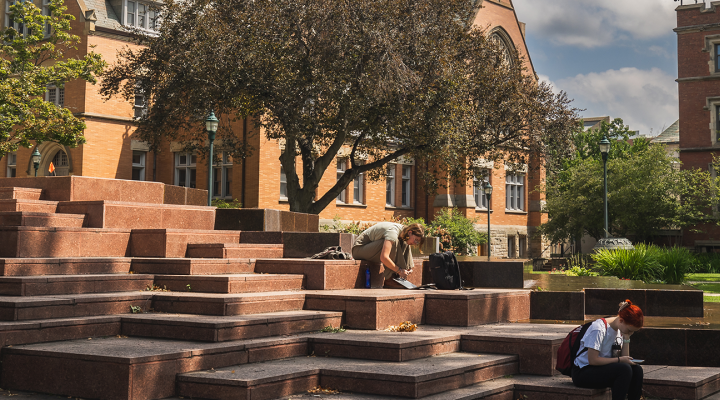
point(228, 304)
point(50, 330)
point(44, 242)
point(193, 266)
point(26, 218)
point(129, 368)
point(684, 383)
point(132, 215)
point(71, 305)
point(72, 284)
point(64, 266)
point(28, 205)
point(172, 243)
point(413, 379)
point(230, 283)
point(19, 193)
point(234, 250)
point(226, 328)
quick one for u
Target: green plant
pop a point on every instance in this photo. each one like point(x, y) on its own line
point(188, 287)
point(330, 329)
point(706, 263)
point(675, 263)
point(580, 260)
point(464, 238)
point(135, 309)
point(340, 227)
point(580, 271)
point(639, 263)
point(222, 203)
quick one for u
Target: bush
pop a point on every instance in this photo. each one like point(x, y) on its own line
point(676, 263)
point(222, 203)
point(464, 237)
point(340, 227)
point(580, 271)
point(706, 263)
point(639, 263)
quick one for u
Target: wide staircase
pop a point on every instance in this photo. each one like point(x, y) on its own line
point(140, 299)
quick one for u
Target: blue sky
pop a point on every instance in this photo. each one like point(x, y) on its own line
point(613, 57)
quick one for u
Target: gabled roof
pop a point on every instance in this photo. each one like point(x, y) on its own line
point(669, 135)
point(105, 13)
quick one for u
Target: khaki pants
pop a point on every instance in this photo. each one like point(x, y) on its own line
point(371, 252)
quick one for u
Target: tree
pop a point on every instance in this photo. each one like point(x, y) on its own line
point(385, 78)
point(647, 191)
point(35, 54)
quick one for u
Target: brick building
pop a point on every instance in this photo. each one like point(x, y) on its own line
point(698, 33)
point(257, 181)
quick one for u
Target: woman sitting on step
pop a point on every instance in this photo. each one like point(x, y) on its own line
point(388, 244)
point(597, 367)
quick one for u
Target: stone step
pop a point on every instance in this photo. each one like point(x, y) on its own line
point(120, 367)
point(50, 330)
point(234, 250)
point(42, 206)
point(128, 215)
point(19, 193)
point(684, 383)
point(232, 283)
point(76, 305)
point(172, 243)
point(45, 242)
point(225, 328)
point(63, 266)
point(193, 266)
point(476, 307)
point(228, 304)
point(386, 346)
point(26, 218)
point(72, 284)
point(414, 379)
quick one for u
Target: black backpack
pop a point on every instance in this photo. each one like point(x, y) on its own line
point(445, 271)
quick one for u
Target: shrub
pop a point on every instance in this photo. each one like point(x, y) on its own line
point(583, 261)
point(461, 230)
point(580, 271)
point(340, 227)
point(706, 263)
point(222, 203)
point(639, 263)
point(676, 263)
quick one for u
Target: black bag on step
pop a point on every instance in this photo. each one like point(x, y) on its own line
point(445, 271)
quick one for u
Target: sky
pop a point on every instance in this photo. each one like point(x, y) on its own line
point(613, 57)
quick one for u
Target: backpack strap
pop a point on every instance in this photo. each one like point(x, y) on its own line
point(584, 349)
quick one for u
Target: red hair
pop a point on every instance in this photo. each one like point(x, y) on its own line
point(631, 314)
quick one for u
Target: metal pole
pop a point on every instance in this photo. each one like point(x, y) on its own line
point(605, 190)
point(211, 136)
point(488, 238)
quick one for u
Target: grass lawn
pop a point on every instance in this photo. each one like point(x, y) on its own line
point(704, 277)
point(711, 299)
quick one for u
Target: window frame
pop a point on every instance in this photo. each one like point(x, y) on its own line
point(479, 190)
point(223, 170)
point(150, 17)
point(341, 167)
point(140, 166)
point(21, 28)
point(189, 166)
point(283, 184)
point(515, 191)
point(390, 185)
point(359, 189)
point(11, 165)
point(55, 95)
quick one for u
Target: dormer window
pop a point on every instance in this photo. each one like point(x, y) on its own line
point(139, 15)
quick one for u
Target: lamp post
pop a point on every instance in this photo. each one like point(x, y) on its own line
point(211, 125)
point(604, 150)
point(488, 193)
point(36, 157)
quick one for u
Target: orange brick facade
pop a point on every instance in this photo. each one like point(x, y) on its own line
point(255, 181)
point(698, 33)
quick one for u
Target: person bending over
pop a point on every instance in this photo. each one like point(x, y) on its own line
point(596, 367)
point(388, 243)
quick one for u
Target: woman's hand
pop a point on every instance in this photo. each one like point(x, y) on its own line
point(403, 273)
point(626, 360)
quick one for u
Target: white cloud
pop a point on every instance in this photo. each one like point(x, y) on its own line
point(660, 51)
point(592, 23)
point(646, 100)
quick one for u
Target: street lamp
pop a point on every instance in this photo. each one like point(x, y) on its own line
point(604, 150)
point(36, 157)
point(488, 193)
point(211, 125)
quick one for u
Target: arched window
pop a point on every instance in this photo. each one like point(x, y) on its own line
point(502, 40)
point(61, 164)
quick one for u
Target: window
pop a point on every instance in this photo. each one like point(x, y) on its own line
point(522, 246)
point(10, 22)
point(46, 12)
point(514, 191)
point(61, 163)
point(139, 15)
point(481, 200)
point(717, 123)
point(406, 176)
point(283, 184)
point(56, 96)
point(359, 189)
point(222, 176)
point(511, 246)
point(185, 173)
point(341, 166)
point(138, 165)
point(11, 165)
point(390, 186)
